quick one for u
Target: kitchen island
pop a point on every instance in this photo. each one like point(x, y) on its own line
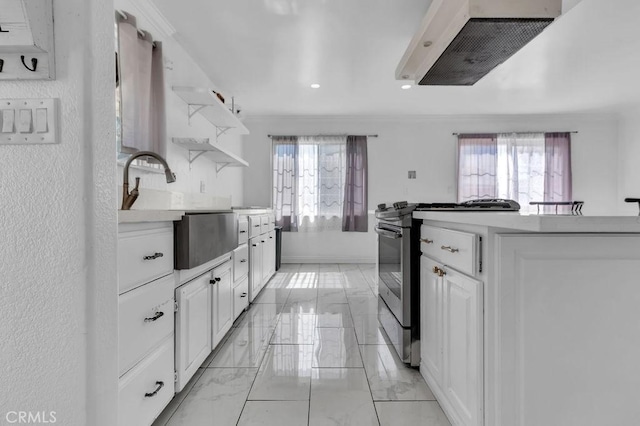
point(531, 319)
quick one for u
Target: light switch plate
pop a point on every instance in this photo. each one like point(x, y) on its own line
point(28, 121)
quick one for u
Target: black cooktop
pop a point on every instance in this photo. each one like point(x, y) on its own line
point(472, 205)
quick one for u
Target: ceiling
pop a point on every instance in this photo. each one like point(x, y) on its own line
point(267, 53)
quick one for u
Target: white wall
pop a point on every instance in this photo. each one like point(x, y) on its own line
point(58, 226)
point(181, 70)
point(629, 167)
point(426, 145)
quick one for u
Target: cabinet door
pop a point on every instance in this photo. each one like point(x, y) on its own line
point(193, 327)
point(430, 320)
point(255, 268)
point(222, 302)
point(463, 337)
point(268, 256)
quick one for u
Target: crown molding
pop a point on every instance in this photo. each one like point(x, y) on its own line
point(150, 13)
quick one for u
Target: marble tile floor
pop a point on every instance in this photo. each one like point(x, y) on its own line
point(309, 351)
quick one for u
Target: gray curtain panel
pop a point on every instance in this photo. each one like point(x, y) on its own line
point(285, 181)
point(354, 209)
point(557, 175)
point(141, 89)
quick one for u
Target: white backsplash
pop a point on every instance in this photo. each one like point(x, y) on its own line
point(153, 199)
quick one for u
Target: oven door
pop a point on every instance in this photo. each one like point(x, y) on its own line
point(394, 270)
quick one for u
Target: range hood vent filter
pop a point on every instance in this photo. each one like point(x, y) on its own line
point(481, 45)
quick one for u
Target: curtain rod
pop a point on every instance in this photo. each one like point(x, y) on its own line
point(319, 136)
point(489, 133)
point(142, 33)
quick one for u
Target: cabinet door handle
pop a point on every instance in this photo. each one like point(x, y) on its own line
point(153, 256)
point(254, 245)
point(215, 280)
point(440, 272)
point(243, 232)
point(243, 294)
point(450, 249)
point(243, 260)
point(262, 241)
point(159, 385)
point(256, 226)
point(426, 240)
point(157, 316)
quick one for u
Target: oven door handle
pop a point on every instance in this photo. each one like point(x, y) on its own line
point(388, 234)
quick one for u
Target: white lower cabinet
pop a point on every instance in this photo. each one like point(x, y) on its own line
point(452, 340)
point(193, 327)
point(240, 297)
point(147, 388)
point(256, 279)
point(222, 302)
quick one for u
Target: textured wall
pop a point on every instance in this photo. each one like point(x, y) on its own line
point(58, 226)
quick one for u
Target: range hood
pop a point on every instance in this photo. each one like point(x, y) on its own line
point(460, 41)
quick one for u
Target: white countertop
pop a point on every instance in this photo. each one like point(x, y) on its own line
point(537, 223)
point(132, 216)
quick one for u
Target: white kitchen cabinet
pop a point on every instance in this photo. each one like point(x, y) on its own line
point(462, 341)
point(431, 326)
point(222, 302)
point(193, 327)
point(271, 257)
point(255, 267)
point(145, 321)
point(240, 297)
point(451, 327)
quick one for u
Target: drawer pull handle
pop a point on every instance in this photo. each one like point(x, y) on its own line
point(262, 241)
point(271, 237)
point(159, 385)
point(153, 256)
point(256, 226)
point(157, 316)
point(243, 232)
point(440, 272)
point(450, 249)
point(254, 245)
point(243, 260)
point(426, 240)
point(243, 295)
point(215, 280)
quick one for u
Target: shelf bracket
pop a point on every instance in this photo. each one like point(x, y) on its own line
point(193, 109)
point(199, 153)
point(220, 166)
point(221, 131)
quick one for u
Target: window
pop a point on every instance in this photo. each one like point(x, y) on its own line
point(521, 166)
point(319, 183)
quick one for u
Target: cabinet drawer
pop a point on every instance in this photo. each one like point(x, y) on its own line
point(254, 226)
point(145, 317)
point(144, 256)
point(264, 224)
point(240, 297)
point(147, 389)
point(243, 230)
point(240, 262)
point(453, 248)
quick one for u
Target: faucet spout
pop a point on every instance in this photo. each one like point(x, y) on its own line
point(128, 198)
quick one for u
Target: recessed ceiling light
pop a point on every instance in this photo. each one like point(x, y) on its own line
point(315, 86)
point(405, 86)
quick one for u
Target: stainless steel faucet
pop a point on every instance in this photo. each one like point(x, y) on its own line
point(129, 198)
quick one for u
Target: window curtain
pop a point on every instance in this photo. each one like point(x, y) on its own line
point(321, 180)
point(557, 175)
point(477, 166)
point(285, 181)
point(141, 83)
point(521, 166)
point(355, 217)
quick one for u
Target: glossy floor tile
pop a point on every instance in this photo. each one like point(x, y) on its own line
point(334, 315)
point(244, 347)
point(294, 329)
point(390, 379)
point(275, 413)
point(285, 374)
point(340, 396)
point(409, 413)
point(368, 330)
point(217, 398)
point(336, 347)
point(308, 351)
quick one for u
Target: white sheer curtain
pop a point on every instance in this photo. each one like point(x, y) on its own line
point(321, 181)
point(521, 168)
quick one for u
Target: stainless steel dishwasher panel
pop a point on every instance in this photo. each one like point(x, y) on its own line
point(202, 237)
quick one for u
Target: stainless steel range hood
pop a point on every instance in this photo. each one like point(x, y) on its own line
point(460, 41)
